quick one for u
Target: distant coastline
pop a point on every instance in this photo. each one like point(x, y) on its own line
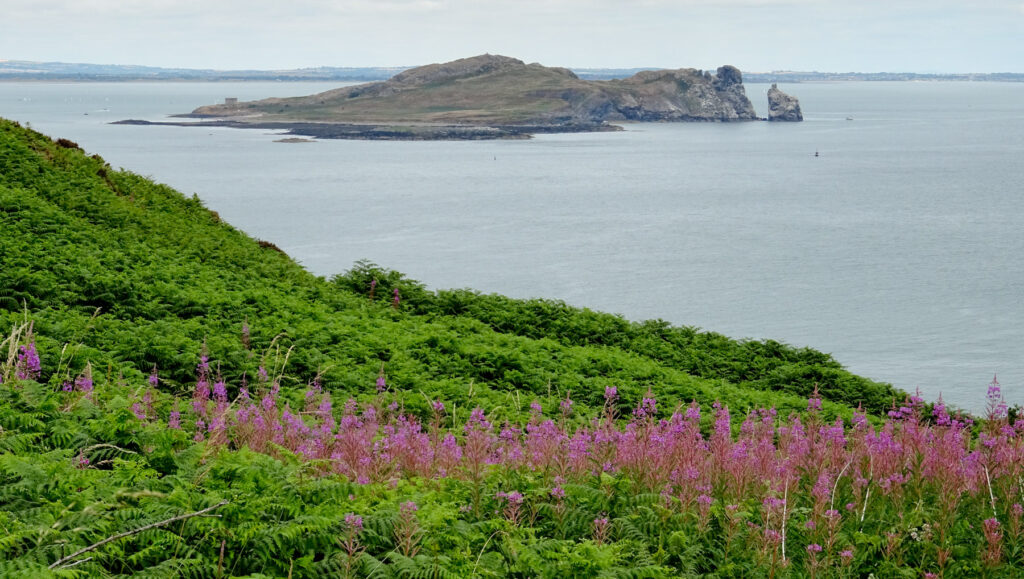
point(22, 70)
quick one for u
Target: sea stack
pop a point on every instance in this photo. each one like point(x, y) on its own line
point(782, 107)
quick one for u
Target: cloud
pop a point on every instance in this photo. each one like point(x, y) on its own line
point(753, 34)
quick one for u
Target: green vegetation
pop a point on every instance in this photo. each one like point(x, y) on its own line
point(132, 275)
point(240, 455)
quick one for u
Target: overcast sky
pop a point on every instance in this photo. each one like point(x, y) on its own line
point(755, 35)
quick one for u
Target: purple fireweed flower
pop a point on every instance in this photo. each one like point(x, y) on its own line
point(859, 420)
point(81, 462)
point(692, 412)
point(28, 365)
point(993, 537)
point(138, 411)
point(220, 391)
point(558, 493)
point(941, 414)
point(994, 389)
point(846, 556)
point(153, 378)
point(996, 408)
point(810, 525)
point(261, 374)
point(67, 386)
point(267, 402)
point(84, 382)
point(174, 421)
point(382, 384)
point(535, 407)
point(396, 300)
point(648, 407)
point(814, 548)
point(200, 429)
point(355, 522)
point(915, 399)
point(477, 421)
point(566, 405)
point(991, 527)
point(513, 498)
point(408, 507)
point(438, 406)
point(611, 393)
point(704, 500)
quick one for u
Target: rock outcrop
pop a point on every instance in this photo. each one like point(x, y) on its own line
point(685, 94)
point(783, 107)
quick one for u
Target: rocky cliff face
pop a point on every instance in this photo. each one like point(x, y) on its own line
point(783, 107)
point(679, 95)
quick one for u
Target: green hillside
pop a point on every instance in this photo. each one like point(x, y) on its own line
point(132, 274)
point(181, 400)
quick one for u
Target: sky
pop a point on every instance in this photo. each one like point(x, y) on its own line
point(926, 36)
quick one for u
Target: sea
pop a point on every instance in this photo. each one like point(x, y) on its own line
point(886, 229)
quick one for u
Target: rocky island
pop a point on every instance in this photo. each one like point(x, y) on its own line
point(488, 97)
point(783, 107)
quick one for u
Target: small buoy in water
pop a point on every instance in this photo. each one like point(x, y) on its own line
point(815, 153)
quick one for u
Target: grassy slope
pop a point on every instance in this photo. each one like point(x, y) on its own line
point(139, 275)
point(509, 96)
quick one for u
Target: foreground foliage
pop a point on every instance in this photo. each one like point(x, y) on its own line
point(292, 487)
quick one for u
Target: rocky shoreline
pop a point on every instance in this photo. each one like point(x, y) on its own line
point(379, 132)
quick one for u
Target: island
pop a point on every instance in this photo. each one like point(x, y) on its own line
point(489, 97)
point(783, 107)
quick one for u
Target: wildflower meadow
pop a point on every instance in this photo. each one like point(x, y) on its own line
point(372, 488)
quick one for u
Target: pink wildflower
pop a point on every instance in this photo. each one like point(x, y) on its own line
point(28, 366)
point(355, 522)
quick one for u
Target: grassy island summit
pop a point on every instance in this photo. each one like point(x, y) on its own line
point(178, 399)
point(492, 96)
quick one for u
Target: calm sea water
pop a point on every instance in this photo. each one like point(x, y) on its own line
point(899, 248)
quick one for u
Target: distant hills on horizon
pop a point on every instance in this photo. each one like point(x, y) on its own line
point(31, 70)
